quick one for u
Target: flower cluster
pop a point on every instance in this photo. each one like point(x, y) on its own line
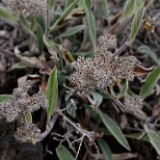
point(102, 70)
point(28, 7)
point(133, 103)
point(27, 133)
point(21, 103)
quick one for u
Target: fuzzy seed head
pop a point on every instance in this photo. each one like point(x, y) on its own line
point(133, 103)
point(27, 133)
point(28, 7)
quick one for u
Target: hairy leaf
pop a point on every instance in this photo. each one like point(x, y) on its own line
point(65, 14)
point(129, 7)
point(40, 38)
point(72, 31)
point(91, 21)
point(25, 25)
point(114, 129)
point(123, 90)
point(149, 52)
point(136, 24)
point(6, 15)
point(52, 92)
point(150, 82)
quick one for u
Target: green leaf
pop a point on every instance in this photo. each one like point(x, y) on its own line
point(154, 139)
point(40, 38)
point(105, 10)
point(136, 136)
point(92, 112)
point(97, 98)
point(51, 4)
point(63, 153)
point(150, 82)
point(105, 149)
point(25, 25)
point(28, 118)
point(138, 4)
point(91, 21)
point(73, 30)
point(52, 92)
point(65, 14)
point(129, 7)
point(71, 108)
point(123, 90)
point(68, 2)
point(136, 24)
point(5, 98)
point(114, 129)
point(149, 52)
point(19, 66)
point(6, 15)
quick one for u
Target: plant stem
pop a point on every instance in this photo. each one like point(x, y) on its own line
point(121, 49)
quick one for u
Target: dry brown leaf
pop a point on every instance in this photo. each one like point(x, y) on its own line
point(32, 77)
point(32, 62)
point(156, 110)
point(142, 71)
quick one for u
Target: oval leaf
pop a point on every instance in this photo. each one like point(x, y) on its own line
point(28, 118)
point(105, 149)
point(114, 129)
point(150, 82)
point(63, 153)
point(52, 92)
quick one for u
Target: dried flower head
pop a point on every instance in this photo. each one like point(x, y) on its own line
point(102, 71)
point(107, 41)
point(22, 102)
point(124, 67)
point(133, 103)
point(27, 133)
point(28, 7)
point(10, 113)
